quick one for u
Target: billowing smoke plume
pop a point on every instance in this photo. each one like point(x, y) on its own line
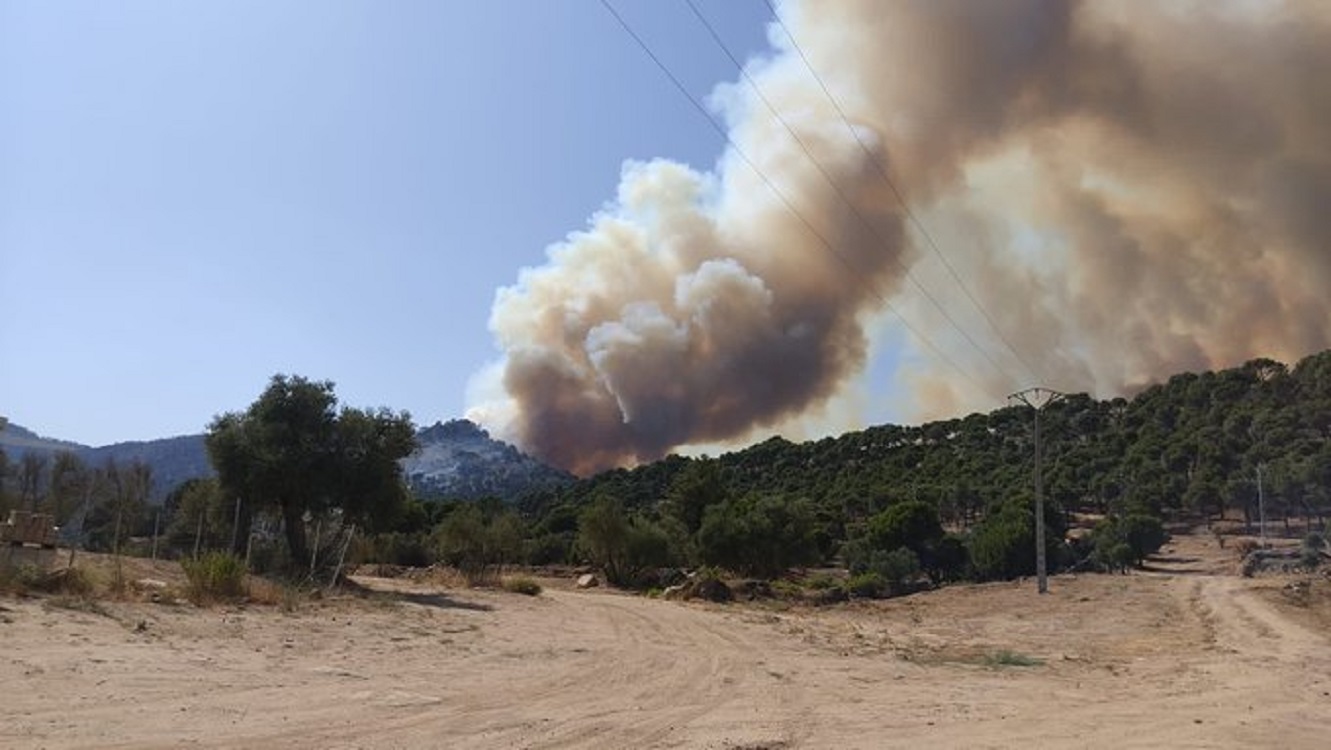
point(1127, 189)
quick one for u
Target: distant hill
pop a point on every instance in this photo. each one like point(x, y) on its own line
point(17, 440)
point(173, 460)
point(456, 459)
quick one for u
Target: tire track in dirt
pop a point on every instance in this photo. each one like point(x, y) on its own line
point(1234, 617)
point(613, 671)
point(1181, 659)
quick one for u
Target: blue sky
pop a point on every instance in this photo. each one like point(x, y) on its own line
point(195, 196)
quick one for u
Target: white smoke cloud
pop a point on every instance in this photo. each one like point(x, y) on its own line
point(1128, 189)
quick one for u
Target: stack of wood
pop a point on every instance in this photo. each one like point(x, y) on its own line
point(24, 527)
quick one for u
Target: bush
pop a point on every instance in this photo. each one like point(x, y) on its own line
point(947, 560)
point(1005, 658)
point(18, 579)
point(548, 549)
point(1003, 545)
point(912, 524)
point(1145, 534)
point(822, 581)
point(409, 549)
point(479, 547)
point(1003, 548)
point(522, 585)
point(269, 556)
point(75, 581)
point(1314, 541)
point(760, 536)
point(833, 595)
point(1117, 543)
point(646, 551)
point(898, 567)
point(869, 585)
point(24, 578)
point(216, 576)
point(627, 548)
point(1310, 558)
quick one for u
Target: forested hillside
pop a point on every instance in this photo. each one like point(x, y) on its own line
point(945, 500)
point(1190, 445)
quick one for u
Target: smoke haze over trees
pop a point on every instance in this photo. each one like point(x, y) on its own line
point(1126, 189)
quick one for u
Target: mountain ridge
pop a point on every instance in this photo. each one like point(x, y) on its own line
point(454, 459)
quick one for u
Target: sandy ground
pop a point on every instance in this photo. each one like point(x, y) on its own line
point(1184, 655)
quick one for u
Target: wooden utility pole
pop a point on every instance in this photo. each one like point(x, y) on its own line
point(1038, 398)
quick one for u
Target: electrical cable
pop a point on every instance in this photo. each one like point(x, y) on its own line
point(744, 73)
point(721, 130)
point(901, 198)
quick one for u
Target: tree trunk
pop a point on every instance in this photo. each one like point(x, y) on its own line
point(245, 525)
point(294, 523)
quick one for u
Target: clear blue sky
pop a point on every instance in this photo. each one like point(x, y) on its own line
point(197, 195)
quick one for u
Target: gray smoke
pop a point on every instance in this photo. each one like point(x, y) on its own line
point(1128, 189)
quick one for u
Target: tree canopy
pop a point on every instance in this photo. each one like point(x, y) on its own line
point(1187, 447)
point(294, 452)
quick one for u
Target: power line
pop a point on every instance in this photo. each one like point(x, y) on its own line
point(721, 130)
point(901, 198)
point(871, 226)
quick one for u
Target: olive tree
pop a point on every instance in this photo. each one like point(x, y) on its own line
point(293, 452)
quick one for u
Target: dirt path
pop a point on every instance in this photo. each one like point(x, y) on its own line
point(1180, 657)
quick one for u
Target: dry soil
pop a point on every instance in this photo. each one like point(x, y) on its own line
point(1184, 655)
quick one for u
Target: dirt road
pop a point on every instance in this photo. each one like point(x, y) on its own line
point(1183, 656)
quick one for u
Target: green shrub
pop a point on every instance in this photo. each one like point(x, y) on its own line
point(898, 567)
point(912, 524)
point(1117, 543)
point(548, 549)
point(625, 547)
point(270, 556)
point(411, 549)
point(74, 581)
point(522, 585)
point(1145, 534)
point(1310, 558)
point(758, 535)
point(947, 560)
point(24, 578)
point(1005, 658)
point(822, 581)
point(215, 576)
point(1003, 548)
point(868, 585)
point(833, 595)
point(18, 579)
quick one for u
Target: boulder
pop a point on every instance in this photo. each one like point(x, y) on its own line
point(712, 589)
point(588, 580)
